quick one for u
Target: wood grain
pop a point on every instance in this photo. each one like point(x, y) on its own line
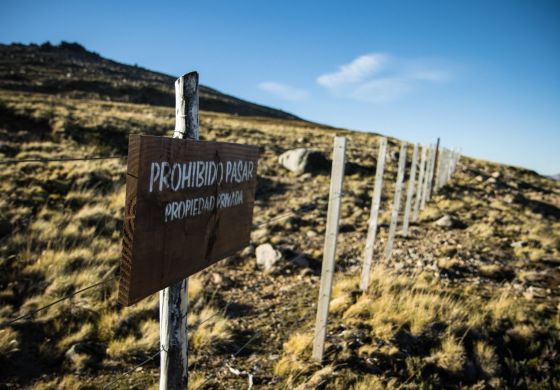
point(156, 253)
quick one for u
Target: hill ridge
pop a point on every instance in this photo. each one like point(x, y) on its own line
point(69, 69)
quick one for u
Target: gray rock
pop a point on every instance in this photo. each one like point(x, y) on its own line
point(267, 256)
point(84, 354)
point(519, 244)
point(302, 160)
point(445, 222)
point(496, 175)
point(311, 233)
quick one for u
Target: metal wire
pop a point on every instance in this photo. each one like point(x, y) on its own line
point(62, 159)
point(104, 280)
point(120, 377)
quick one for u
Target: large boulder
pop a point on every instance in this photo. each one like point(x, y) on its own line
point(302, 160)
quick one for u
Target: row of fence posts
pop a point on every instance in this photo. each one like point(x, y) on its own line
point(173, 300)
point(435, 169)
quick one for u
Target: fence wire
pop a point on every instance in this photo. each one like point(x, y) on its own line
point(31, 313)
point(62, 159)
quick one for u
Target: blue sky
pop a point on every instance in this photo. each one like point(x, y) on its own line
point(482, 75)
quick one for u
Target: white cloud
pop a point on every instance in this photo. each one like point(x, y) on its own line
point(381, 90)
point(284, 91)
point(356, 71)
point(379, 78)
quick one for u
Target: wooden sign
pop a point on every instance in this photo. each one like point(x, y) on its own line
point(188, 204)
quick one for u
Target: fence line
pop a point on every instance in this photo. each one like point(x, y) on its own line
point(62, 159)
point(448, 161)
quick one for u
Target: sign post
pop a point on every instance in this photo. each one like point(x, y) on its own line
point(173, 300)
point(188, 204)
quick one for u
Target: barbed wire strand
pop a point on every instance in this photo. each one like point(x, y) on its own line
point(62, 159)
point(104, 280)
point(121, 377)
point(234, 355)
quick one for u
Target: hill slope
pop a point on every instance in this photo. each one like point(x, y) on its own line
point(475, 304)
point(69, 69)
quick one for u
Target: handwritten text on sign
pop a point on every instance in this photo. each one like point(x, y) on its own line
point(177, 176)
point(188, 204)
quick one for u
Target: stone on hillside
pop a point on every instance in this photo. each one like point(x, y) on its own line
point(84, 354)
point(496, 175)
point(302, 160)
point(519, 244)
point(267, 256)
point(446, 222)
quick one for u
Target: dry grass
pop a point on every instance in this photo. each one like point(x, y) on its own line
point(450, 356)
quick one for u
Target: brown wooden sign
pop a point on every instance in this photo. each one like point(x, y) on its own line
point(188, 204)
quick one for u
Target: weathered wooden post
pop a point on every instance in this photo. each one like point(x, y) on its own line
point(431, 174)
point(329, 250)
point(420, 186)
point(426, 177)
point(396, 203)
point(410, 190)
point(173, 300)
point(436, 156)
point(374, 214)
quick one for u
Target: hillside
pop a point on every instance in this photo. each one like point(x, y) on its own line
point(68, 69)
point(474, 304)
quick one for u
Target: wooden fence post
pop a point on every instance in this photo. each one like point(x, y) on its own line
point(173, 301)
point(420, 186)
point(410, 190)
point(374, 214)
point(430, 175)
point(434, 169)
point(329, 250)
point(396, 203)
point(429, 156)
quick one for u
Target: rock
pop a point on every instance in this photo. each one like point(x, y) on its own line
point(302, 160)
point(479, 178)
point(393, 155)
point(311, 234)
point(221, 280)
point(445, 222)
point(267, 256)
point(496, 175)
point(519, 244)
point(84, 354)
point(259, 235)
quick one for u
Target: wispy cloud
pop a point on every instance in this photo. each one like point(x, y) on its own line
point(283, 91)
point(381, 90)
point(356, 71)
point(379, 78)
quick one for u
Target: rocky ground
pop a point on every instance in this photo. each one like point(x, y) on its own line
point(470, 297)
